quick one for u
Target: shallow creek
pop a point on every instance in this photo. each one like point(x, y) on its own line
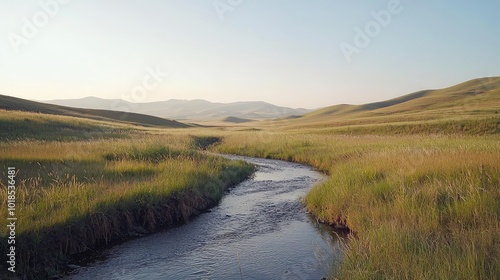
point(259, 230)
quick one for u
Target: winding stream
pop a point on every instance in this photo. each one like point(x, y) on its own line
point(258, 231)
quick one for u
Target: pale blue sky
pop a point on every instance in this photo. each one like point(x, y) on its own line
point(286, 52)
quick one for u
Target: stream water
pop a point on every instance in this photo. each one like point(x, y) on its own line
point(259, 230)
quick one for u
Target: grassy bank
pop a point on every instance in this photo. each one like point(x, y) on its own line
point(419, 207)
point(77, 196)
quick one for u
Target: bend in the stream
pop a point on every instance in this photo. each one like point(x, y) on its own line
point(260, 230)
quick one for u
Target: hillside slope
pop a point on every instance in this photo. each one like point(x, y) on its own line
point(471, 101)
point(18, 104)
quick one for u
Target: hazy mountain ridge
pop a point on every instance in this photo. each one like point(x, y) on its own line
point(197, 109)
point(474, 99)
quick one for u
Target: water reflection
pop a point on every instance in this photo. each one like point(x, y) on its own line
point(259, 231)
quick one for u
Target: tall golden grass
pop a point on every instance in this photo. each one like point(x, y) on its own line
point(75, 196)
point(418, 206)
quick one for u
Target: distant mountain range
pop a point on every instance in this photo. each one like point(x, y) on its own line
point(476, 101)
point(195, 110)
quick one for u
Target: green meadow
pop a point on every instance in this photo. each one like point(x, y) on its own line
point(83, 190)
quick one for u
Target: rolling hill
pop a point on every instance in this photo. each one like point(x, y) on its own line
point(18, 104)
point(471, 101)
point(471, 106)
point(192, 110)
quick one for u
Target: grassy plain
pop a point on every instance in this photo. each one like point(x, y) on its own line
point(416, 179)
point(419, 207)
point(84, 183)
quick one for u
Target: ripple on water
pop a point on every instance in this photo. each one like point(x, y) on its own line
point(259, 228)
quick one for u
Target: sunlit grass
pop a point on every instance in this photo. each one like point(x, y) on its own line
point(420, 207)
point(60, 181)
point(72, 196)
point(421, 198)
